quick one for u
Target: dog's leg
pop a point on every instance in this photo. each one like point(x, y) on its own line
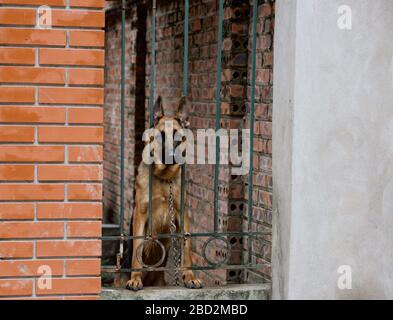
point(189, 278)
point(138, 226)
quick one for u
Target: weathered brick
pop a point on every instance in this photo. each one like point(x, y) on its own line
point(69, 173)
point(31, 154)
point(31, 192)
point(32, 75)
point(69, 248)
point(17, 211)
point(16, 249)
point(71, 57)
point(34, 230)
point(20, 114)
point(84, 191)
point(70, 134)
point(72, 286)
point(71, 96)
point(85, 154)
point(16, 173)
point(17, 56)
point(32, 36)
point(81, 210)
point(16, 287)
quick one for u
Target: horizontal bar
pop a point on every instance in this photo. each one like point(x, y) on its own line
point(197, 234)
point(226, 267)
point(110, 226)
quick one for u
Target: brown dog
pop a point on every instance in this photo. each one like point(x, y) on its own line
point(162, 174)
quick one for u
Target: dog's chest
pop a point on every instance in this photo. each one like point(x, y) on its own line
point(161, 207)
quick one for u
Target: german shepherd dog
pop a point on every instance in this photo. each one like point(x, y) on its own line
point(162, 173)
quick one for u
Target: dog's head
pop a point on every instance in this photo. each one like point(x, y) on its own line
point(169, 138)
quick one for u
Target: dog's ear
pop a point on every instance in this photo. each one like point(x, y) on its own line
point(183, 111)
point(158, 109)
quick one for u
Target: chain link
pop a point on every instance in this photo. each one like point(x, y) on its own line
point(175, 243)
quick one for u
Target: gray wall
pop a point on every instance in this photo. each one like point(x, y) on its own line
point(333, 150)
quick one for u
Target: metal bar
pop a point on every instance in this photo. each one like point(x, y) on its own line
point(196, 234)
point(218, 112)
point(185, 92)
point(252, 104)
point(151, 112)
point(227, 267)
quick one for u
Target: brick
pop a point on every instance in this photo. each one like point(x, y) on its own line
point(70, 173)
point(16, 173)
point(16, 287)
point(69, 248)
point(29, 268)
point(12, 16)
point(84, 229)
point(85, 115)
point(32, 36)
point(35, 2)
point(32, 75)
point(16, 249)
point(86, 77)
point(83, 267)
point(70, 134)
point(85, 297)
point(92, 38)
point(85, 154)
point(17, 56)
point(263, 76)
point(81, 210)
point(72, 286)
point(31, 154)
point(16, 134)
point(21, 114)
point(34, 230)
point(87, 3)
point(19, 192)
point(78, 18)
point(85, 191)
point(87, 96)
point(17, 94)
point(71, 57)
point(16, 211)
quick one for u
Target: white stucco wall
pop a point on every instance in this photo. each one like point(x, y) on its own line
point(333, 149)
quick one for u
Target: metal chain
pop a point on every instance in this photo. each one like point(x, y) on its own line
point(176, 251)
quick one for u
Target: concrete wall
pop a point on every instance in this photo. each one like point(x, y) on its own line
point(332, 150)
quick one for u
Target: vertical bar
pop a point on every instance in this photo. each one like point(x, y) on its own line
point(123, 45)
point(185, 92)
point(218, 113)
point(252, 104)
point(151, 107)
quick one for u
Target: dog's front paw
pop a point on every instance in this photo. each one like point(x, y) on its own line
point(191, 281)
point(134, 284)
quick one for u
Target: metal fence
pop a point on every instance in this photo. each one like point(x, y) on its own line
point(216, 235)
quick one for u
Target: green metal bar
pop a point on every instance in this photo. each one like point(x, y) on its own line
point(218, 112)
point(151, 112)
point(123, 45)
point(196, 234)
point(224, 267)
point(185, 92)
point(252, 105)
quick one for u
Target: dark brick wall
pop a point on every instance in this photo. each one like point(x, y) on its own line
point(202, 92)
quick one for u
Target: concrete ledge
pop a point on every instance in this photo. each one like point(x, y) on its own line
point(229, 292)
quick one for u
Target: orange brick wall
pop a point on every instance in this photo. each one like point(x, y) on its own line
point(51, 139)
